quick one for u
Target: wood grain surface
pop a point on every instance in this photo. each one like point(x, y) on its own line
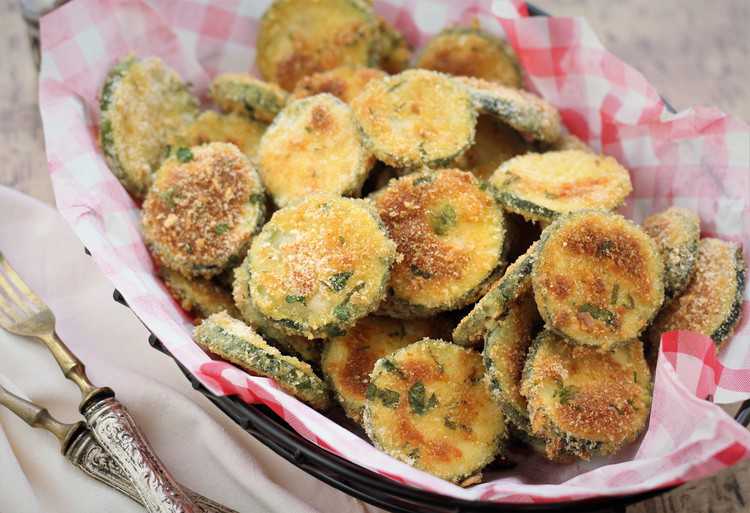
point(694, 52)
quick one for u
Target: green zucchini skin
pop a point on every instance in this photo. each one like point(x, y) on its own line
point(242, 94)
point(134, 141)
point(495, 303)
point(236, 342)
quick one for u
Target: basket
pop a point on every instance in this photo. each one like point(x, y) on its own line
point(361, 483)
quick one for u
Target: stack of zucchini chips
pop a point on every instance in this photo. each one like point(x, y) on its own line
point(413, 236)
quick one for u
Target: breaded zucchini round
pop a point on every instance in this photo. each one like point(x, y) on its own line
point(584, 401)
point(427, 405)
point(494, 143)
point(344, 82)
point(211, 126)
point(676, 232)
point(299, 37)
point(320, 265)
point(313, 146)
point(598, 278)
point(504, 356)
point(236, 342)
point(294, 345)
point(541, 186)
point(416, 118)
point(243, 94)
point(494, 305)
point(185, 227)
point(712, 302)
point(395, 51)
point(348, 359)
point(450, 236)
point(472, 52)
point(197, 296)
point(529, 114)
point(142, 105)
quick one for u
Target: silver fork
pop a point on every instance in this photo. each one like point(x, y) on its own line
point(22, 312)
point(82, 450)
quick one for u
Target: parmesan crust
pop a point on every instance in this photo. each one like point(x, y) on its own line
point(427, 405)
point(471, 52)
point(185, 226)
point(320, 265)
point(712, 302)
point(450, 236)
point(313, 146)
point(584, 401)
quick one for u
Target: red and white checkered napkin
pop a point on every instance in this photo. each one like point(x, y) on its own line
point(699, 158)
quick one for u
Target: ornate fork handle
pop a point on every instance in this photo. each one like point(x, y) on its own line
point(86, 454)
point(114, 429)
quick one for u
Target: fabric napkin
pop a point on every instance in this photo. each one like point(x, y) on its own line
point(204, 450)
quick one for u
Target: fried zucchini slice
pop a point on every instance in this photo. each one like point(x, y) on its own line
point(320, 265)
point(451, 237)
point(472, 52)
point(676, 232)
point(494, 305)
point(298, 38)
point(295, 345)
point(211, 126)
point(197, 296)
point(712, 302)
point(234, 341)
point(416, 118)
point(541, 186)
point(598, 278)
point(344, 82)
point(243, 94)
point(313, 146)
point(348, 360)
point(185, 227)
point(142, 105)
point(504, 355)
point(584, 401)
point(427, 405)
point(395, 51)
point(529, 114)
point(494, 143)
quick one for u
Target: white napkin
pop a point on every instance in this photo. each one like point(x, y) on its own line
point(204, 449)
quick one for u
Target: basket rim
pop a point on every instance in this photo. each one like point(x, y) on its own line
point(364, 484)
point(359, 482)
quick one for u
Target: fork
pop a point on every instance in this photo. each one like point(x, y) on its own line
point(22, 312)
point(82, 450)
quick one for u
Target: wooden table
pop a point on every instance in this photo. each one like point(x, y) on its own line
point(693, 54)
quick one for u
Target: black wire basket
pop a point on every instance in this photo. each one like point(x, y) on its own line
point(271, 430)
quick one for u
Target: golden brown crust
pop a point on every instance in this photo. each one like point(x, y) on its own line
point(416, 118)
point(427, 405)
point(298, 38)
point(597, 278)
point(541, 186)
point(471, 52)
point(211, 127)
point(313, 146)
point(583, 400)
point(344, 82)
point(449, 234)
point(185, 227)
point(676, 232)
point(320, 265)
point(349, 359)
point(712, 302)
